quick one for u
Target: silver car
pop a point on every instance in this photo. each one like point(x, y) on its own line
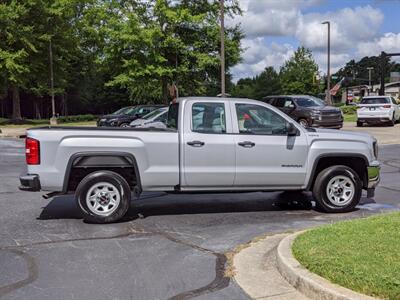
point(154, 119)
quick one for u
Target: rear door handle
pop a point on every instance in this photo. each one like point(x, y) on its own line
point(247, 144)
point(196, 143)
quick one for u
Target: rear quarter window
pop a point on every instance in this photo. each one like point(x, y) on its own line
point(375, 101)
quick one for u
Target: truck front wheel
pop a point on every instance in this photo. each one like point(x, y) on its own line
point(103, 197)
point(337, 189)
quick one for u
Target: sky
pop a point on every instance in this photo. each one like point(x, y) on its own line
point(275, 28)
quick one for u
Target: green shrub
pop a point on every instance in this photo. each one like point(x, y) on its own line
point(76, 118)
point(339, 104)
point(349, 109)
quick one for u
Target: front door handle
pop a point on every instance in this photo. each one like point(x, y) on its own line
point(247, 144)
point(196, 144)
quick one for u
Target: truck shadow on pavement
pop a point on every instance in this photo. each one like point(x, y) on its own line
point(154, 204)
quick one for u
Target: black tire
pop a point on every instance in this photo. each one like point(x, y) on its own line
point(124, 125)
point(113, 179)
point(393, 121)
point(320, 194)
point(359, 124)
point(303, 122)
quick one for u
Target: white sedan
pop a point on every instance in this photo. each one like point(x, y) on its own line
point(155, 119)
point(378, 109)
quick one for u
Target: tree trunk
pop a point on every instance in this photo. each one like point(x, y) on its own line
point(66, 105)
point(37, 110)
point(16, 115)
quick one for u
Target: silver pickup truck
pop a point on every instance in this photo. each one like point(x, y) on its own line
point(211, 144)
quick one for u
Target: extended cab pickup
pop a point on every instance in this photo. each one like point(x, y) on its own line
point(211, 144)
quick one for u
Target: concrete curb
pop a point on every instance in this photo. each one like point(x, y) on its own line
point(310, 284)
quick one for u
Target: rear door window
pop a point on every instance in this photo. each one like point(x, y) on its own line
point(208, 117)
point(280, 102)
point(375, 101)
point(288, 103)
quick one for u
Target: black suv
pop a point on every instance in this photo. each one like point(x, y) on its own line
point(309, 111)
point(124, 116)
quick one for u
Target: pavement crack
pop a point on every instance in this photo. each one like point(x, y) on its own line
point(220, 280)
point(31, 277)
point(52, 242)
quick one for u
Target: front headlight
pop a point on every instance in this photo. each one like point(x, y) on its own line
point(316, 115)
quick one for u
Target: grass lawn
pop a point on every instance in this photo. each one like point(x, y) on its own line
point(350, 117)
point(362, 255)
point(39, 123)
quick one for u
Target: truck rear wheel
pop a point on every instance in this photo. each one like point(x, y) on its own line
point(337, 189)
point(103, 197)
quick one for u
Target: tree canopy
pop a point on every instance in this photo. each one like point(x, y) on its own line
point(299, 72)
point(114, 52)
point(296, 76)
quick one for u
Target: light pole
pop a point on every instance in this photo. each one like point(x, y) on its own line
point(369, 78)
point(328, 92)
point(53, 119)
point(222, 36)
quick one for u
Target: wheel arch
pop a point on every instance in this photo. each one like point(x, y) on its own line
point(102, 159)
point(356, 161)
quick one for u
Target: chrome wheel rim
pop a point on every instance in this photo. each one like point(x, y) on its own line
point(303, 123)
point(340, 190)
point(103, 198)
point(125, 125)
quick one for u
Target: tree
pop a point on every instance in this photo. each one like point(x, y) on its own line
point(161, 42)
point(298, 73)
point(265, 84)
point(357, 72)
point(26, 30)
point(17, 43)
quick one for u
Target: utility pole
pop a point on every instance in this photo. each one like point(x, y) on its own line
point(328, 91)
point(222, 55)
point(383, 70)
point(369, 78)
point(53, 119)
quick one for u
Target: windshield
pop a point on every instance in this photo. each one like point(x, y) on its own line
point(375, 101)
point(121, 111)
point(154, 113)
point(309, 101)
point(126, 111)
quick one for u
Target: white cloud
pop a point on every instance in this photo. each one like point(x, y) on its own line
point(348, 27)
point(268, 18)
point(258, 56)
point(389, 42)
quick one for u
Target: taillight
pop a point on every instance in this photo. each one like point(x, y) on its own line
point(32, 151)
point(387, 106)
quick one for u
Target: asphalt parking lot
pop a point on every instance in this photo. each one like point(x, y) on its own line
point(168, 247)
point(383, 133)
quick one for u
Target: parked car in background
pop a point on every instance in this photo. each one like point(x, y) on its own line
point(307, 110)
point(124, 116)
point(155, 119)
point(378, 109)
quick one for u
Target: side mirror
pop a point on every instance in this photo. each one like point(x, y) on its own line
point(291, 129)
